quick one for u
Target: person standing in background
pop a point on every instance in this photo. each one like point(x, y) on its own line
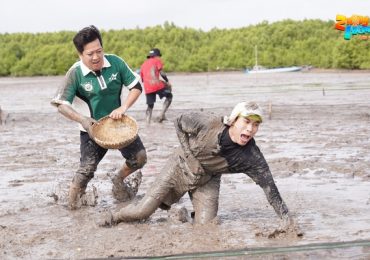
point(155, 83)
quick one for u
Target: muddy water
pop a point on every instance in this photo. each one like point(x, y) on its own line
point(316, 141)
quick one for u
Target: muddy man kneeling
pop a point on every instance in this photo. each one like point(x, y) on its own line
point(210, 145)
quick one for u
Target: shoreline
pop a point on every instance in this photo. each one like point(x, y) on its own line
point(220, 72)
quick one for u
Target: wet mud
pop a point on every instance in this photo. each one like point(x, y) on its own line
point(315, 138)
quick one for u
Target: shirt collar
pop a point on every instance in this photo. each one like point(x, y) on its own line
point(85, 70)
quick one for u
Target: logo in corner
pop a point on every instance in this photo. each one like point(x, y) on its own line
point(354, 25)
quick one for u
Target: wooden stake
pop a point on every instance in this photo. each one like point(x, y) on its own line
point(270, 109)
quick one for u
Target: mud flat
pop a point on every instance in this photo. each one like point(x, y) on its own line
point(316, 140)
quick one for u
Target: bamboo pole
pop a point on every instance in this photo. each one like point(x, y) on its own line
point(270, 109)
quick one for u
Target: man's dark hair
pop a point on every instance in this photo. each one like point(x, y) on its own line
point(85, 36)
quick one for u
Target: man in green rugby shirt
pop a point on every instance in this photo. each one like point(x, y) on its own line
point(97, 79)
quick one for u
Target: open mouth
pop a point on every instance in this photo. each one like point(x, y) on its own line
point(245, 138)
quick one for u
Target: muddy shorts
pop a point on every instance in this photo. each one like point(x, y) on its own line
point(164, 92)
point(175, 180)
point(92, 154)
point(205, 200)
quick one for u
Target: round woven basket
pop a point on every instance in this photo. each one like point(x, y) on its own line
point(112, 133)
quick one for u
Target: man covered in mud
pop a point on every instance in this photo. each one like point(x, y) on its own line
point(97, 79)
point(209, 147)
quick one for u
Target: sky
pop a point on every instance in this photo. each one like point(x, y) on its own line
point(57, 15)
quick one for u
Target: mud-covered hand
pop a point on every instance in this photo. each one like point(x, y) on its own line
point(289, 224)
point(87, 123)
point(286, 221)
point(194, 164)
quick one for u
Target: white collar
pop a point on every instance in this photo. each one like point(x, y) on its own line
point(85, 70)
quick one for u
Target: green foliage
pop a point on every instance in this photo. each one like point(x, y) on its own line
point(284, 43)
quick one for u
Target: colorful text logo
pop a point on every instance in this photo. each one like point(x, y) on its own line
point(354, 25)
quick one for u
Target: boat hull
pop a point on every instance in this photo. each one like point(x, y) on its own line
point(275, 70)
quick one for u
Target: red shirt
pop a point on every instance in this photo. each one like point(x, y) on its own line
point(149, 73)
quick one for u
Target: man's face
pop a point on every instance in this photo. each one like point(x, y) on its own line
point(243, 130)
point(93, 55)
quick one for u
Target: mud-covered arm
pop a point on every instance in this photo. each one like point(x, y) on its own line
point(187, 125)
point(273, 196)
point(261, 174)
point(72, 114)
point(63, 101)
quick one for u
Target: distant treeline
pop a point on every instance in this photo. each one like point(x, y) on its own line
point(285, 43)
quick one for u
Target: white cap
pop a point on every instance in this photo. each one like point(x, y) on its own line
point(243, 109)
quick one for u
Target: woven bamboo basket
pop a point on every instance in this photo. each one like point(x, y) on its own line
point(112, 133)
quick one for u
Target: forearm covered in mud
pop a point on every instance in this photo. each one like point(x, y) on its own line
point(185, 126)
point(275, 200)
point(263, 177)
point(70, 113)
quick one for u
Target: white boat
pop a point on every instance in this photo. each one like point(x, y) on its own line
point(260, 69)
point(273, 70)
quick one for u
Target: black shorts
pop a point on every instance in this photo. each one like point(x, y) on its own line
point(92, 153)
point(164, 92)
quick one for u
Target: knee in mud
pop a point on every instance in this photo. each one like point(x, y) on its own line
point(138, 161)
